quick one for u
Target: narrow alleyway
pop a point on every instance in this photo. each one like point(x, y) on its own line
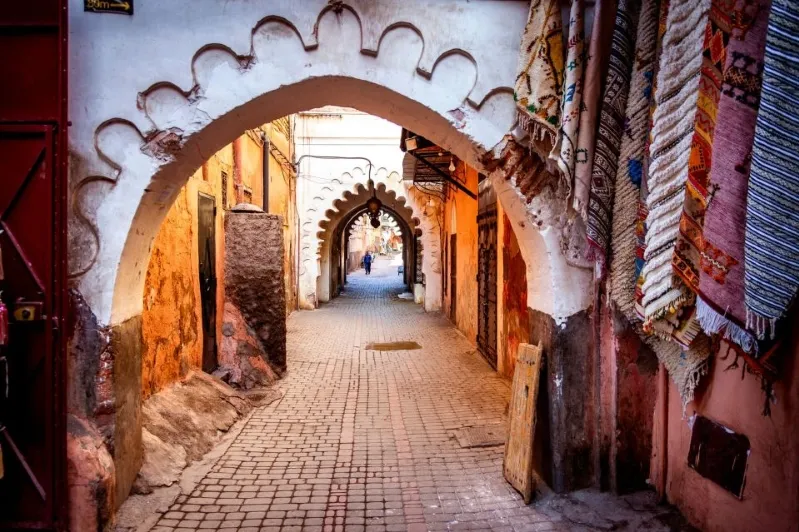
point(362, 439)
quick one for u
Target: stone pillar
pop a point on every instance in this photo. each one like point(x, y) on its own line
point(253, 346)
point(566, 412)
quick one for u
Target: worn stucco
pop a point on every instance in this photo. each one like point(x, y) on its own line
point(460, 218)
point(171, 320)
point(770, 498)
point(515, 321)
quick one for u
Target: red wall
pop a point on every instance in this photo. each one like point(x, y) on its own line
point(771, 494)
point(516, 324)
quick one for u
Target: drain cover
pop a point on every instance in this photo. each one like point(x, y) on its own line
point(481, 436)
point(392, 346)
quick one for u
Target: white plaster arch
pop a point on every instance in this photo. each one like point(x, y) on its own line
point(157, 115)
point(164, 97)
point(337, 189)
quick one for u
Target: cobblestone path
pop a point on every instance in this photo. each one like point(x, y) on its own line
point(362, 439)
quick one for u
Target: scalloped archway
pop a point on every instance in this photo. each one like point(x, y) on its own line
point(151, 101)
point(343, 212)
point(175, 101)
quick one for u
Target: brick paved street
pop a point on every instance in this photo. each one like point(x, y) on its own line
point(361, 439)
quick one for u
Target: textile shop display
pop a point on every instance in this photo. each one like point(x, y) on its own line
point(604, 12)
point(539, 83)
point(611, 129)
point(720, 307)
point(630, 172)
point(668, 303)
point(688, 259)
point(771, 244)
point(640, 225)
point(572, 93)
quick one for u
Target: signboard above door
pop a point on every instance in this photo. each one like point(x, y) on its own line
point(122, 7)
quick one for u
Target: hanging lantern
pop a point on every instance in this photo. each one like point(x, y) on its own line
point(373, 205)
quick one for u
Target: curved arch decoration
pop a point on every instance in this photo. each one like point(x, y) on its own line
point(142, 141)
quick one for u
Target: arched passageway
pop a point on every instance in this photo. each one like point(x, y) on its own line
point(351, 250)
point(157, 121)
point(332, 239)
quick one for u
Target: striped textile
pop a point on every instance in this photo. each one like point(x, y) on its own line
point(771, 245)
point(677, 94)
point(611, 129)
point(624, 241)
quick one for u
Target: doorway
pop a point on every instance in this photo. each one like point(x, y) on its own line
point(206, 239)
point(487, 286)
point(453, 285)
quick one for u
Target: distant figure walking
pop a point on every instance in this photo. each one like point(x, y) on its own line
point(367, 263)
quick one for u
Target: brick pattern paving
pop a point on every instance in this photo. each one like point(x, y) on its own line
point(362, 440)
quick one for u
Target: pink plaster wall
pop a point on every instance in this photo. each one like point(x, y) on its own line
point(771, 494)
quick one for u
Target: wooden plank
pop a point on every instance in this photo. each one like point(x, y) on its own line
point(518, 463)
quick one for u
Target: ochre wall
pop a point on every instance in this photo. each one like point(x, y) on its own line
point(171, 319)
point(172, 339)
point(515, 323)
point(771, 494)
point(282, 201)
point(466, 254)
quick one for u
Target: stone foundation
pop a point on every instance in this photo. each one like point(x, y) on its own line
point(566, 416)
point(254, 324)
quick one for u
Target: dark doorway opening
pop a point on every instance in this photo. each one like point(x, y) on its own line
point(453, 285)
point(206, 238)
point(487, 286)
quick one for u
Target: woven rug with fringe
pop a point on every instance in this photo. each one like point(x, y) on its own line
point(771, 245)
point(572, 93)
point(668, 302)
point(624, 240)
point(604, 14)
point(640, 226)
point(611, 129)
point(687, 257)
point(720, 304)
point(539, 82)
point(685, 366)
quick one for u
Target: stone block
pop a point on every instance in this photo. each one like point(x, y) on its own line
point(255, 298)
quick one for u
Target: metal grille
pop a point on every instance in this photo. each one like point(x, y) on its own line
point(487, 286)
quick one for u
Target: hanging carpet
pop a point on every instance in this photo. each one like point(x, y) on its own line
point(626, 265)
point(611, 129)
point(771, 245)
point(572, 94)
point(668, 302)
point(604, 14)
point(720, 306)
point(539, 83)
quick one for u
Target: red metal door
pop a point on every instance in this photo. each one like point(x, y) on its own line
point(33, 124)
point(30, 420)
